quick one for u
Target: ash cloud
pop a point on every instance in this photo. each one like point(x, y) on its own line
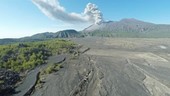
point(53, 9)
point(93, 13)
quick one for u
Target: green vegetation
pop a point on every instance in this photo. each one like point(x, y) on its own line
point(24, 56)
point(52, 68)
point(1, 81)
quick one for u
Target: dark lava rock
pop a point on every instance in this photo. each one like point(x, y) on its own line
point(7, 81)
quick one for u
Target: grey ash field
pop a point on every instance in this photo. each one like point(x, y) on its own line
point(113, 67)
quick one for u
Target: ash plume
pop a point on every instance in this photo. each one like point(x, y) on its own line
point(53, 9)
point(93, 13)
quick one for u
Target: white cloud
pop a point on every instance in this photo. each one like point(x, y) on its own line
point(53, 9)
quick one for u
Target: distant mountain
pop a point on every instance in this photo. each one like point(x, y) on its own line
point(67, 34)
point(43, 36)
point(125, 28)
point(60, 34)
point(128, 28)
point(8, 41)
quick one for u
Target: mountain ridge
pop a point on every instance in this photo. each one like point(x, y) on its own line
point(70, 33)
point(125, 28)
point(129, 28)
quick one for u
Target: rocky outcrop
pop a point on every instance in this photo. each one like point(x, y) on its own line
point(7, 81)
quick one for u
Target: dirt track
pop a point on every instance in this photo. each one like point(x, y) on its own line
point(114, 67)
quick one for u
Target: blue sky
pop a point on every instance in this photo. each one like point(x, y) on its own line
point(20, 18)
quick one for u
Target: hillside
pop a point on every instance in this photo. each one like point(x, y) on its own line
point(43, 36)
point(128, 28)
point(67, 34)
point(17, 59)
point(59, 34)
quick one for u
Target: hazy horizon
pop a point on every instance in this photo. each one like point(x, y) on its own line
point(27, 17)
